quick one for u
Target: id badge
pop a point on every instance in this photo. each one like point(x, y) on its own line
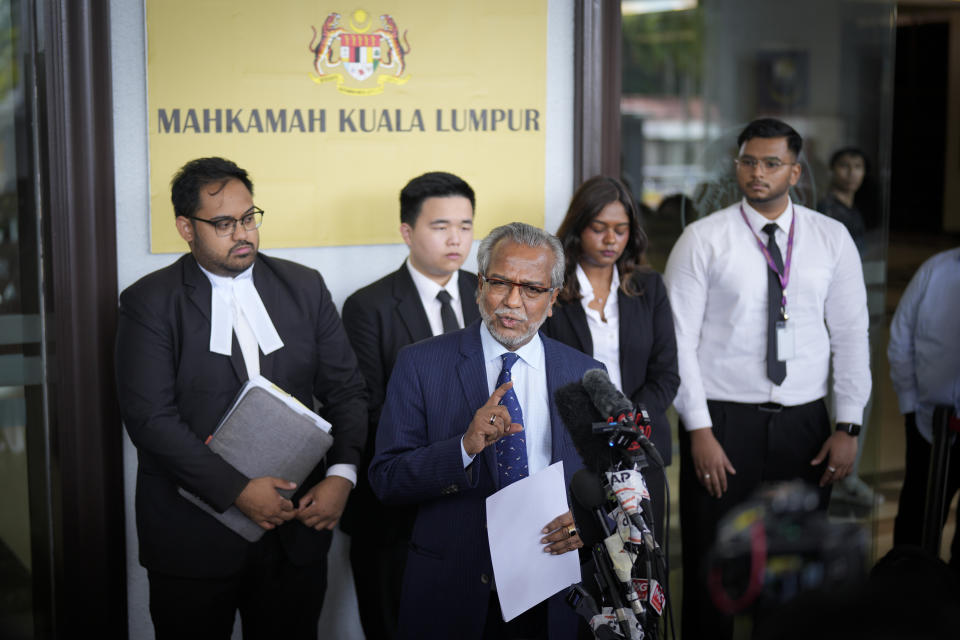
point(786, 344)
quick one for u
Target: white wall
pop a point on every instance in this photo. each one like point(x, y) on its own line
point(345, 268)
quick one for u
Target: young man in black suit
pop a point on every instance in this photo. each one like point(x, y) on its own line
point(428, 295)
point(189, 336)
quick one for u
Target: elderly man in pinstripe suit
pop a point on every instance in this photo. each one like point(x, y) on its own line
point(465, 414)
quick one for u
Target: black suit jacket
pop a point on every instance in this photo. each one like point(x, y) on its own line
point(648, 348)
point(380, 319)
point(173, 391)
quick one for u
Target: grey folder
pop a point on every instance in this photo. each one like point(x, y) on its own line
point(262, 435)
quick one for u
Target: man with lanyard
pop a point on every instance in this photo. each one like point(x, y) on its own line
point(763, 292)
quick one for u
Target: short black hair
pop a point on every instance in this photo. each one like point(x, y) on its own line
point(435, 184)
point(847, 151)
point(196, 174)
point(772, 128)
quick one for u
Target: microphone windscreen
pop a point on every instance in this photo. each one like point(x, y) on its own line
point(605, 396)
point(587, 489)
point(578, 415)
point(587, 496)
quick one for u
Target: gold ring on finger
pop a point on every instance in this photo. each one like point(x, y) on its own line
point(493, 418)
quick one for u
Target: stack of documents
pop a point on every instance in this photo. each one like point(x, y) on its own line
point(267, 432)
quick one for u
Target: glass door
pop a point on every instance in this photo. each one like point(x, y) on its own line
point(24, 501)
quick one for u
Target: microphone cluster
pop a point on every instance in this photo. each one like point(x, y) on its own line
point(612, 508)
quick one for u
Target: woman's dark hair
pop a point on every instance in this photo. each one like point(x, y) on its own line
point(592, 196)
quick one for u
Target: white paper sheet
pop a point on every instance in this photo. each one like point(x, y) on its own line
point(524, 574)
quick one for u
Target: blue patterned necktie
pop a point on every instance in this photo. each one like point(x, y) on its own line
point(511, 449)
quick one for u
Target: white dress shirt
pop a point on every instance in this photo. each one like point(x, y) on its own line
point(236, 307)
point(605, 335)
point(716, 279)
point(428, 290)
point(529, 375)
point(924, 349)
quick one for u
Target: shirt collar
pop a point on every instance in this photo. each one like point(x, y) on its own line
point(531, 353)
point(758, 221)
point(226, 281)
point(586, 289)
point(428, 289)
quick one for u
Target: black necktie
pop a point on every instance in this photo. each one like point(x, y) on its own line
point(776, 369)
point(447, 316)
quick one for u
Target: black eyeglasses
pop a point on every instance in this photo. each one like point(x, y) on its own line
point(504, 287)
point(226, 225)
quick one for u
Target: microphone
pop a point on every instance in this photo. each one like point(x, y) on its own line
point(579, 415)
point(611, 402)
point(589, 494)
point(605, 397)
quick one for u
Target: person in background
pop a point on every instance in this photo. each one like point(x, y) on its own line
point(848, 166)
point(427, 296)
point(924, 354)
point(615, 309)
point(768, 297)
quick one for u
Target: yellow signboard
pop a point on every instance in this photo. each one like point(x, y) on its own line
point(333, 108)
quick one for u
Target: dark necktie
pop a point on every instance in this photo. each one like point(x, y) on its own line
point(447, 316)
point(776, 369)
point(511, 449)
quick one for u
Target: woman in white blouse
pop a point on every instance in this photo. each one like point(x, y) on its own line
point(615, 308)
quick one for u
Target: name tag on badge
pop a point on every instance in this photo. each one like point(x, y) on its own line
point(786, 343)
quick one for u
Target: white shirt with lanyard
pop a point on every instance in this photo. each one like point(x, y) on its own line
point(786, 339)
point(716, 278)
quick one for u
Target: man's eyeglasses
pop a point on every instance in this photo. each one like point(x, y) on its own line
point(504, 287)
point(769, 164)
point(226, 225)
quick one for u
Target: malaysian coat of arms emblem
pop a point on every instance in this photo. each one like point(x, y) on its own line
point(362, 51)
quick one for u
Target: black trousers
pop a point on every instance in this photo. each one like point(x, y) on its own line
point(378, 577)
point(908, 525)
point(763, 447)
point(529, 625)
point(275, 598)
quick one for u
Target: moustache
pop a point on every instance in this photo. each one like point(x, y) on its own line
point(516, 314)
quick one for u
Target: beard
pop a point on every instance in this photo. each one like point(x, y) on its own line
point(510, 341)
point(224, 265)
point(771, 196)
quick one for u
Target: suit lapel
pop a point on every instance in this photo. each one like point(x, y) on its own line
point(467, 283)
point(199, 292)
point(632, 324)
point(578, 320)
point(554, 364)
point(197, 286)
point(265, 281)
point(472, 372)
point(409, 307)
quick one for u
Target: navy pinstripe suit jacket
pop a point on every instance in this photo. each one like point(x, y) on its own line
point(433, 393)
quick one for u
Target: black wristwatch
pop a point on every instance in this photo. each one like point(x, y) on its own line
point(849, 428)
